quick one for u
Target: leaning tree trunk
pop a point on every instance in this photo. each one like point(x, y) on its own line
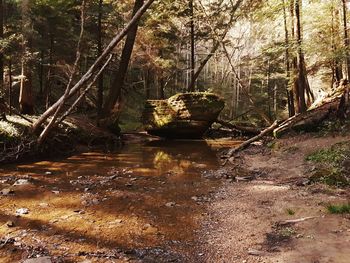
point(26, 96)
point(113, 102)
point(94, 67)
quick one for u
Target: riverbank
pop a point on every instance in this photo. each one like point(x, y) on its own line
point(269, 205)
point(76, 134)
point(279, 210)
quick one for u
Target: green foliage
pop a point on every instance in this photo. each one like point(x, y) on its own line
point(332, 156)
point(329, 165)
point(290, 211)
point(339, 209)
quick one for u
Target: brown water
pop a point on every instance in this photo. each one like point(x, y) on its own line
point(142, 203)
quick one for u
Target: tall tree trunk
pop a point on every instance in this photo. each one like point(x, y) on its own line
point(10, 85)
point(192, 87)
point(300, 81)
point(291, 109)
point(337, 63)
point(26, 96)
point(49, 72)
point(1, 53)
point(346, 39)
point(113, 101)
point(99, 52)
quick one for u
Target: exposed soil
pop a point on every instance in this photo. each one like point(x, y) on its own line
point(245, 219)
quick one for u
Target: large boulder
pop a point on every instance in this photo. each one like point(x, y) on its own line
point(185, 115)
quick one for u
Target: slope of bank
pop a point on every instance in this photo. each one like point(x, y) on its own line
point(279, 209)
point(17, 143)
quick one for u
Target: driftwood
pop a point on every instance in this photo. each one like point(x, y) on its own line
point(250, 141)
point(242, 129)
point(334, 105)
point(295, 221)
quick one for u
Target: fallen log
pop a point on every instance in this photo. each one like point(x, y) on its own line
point(242, 129)
point(250, 141)
point(332, 106)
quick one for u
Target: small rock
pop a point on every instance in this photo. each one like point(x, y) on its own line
point(254, 252)
point(44, 205)
point(55, 192)
point(150, 230)
point(38, 260)
point(95, 201)
point(6, 191)
point(48, 173)
point(170, 204)
point(22, 182)
point(195, 198)
point(10, 223)
point(22, 211)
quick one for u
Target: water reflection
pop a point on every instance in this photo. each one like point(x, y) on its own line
point(125, 196)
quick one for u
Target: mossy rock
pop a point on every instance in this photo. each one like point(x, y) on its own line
point(184, 115)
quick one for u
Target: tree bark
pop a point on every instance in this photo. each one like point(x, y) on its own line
point(346, 39)
point(1, 39)
point(192, 88)
point(291, 109)
point(99, 52)
point(26, 96)
point(112, 103)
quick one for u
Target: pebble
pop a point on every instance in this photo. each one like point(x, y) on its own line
point(48, 173)
point(170, 204)
point(254, 252)
point(22, 211)
point(10, 223)
point(55, 192)
point(22, 182)
point(38, 260)
point(6, 191)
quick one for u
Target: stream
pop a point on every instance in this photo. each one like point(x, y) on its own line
point(142, 203)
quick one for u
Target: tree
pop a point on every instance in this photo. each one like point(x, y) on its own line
point(114, 97)
point(346, 39)
point(26, 96)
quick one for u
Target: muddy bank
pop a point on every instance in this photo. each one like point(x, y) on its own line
point(248, 221)
point(76, 134)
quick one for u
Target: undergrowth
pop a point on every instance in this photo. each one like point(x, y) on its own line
point(329, 163)
point(339, 209)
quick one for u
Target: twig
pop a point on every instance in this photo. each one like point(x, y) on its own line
point(294, 221)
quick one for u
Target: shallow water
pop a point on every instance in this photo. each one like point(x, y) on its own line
point(143, 202)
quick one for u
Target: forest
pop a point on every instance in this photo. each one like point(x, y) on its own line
point(122, 122)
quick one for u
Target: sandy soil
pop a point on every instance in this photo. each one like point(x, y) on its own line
point(246, 219)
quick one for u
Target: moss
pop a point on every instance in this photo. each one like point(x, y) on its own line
point(290, 211)
point(329, 165)
point(339, 209)
point(333, 155)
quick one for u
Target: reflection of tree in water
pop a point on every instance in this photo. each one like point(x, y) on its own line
point(181, 156)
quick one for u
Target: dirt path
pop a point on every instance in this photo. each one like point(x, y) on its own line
point(244, 220)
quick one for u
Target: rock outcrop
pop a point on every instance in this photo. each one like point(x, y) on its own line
point(185, 115)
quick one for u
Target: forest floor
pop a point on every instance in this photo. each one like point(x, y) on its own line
point(248, 221)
